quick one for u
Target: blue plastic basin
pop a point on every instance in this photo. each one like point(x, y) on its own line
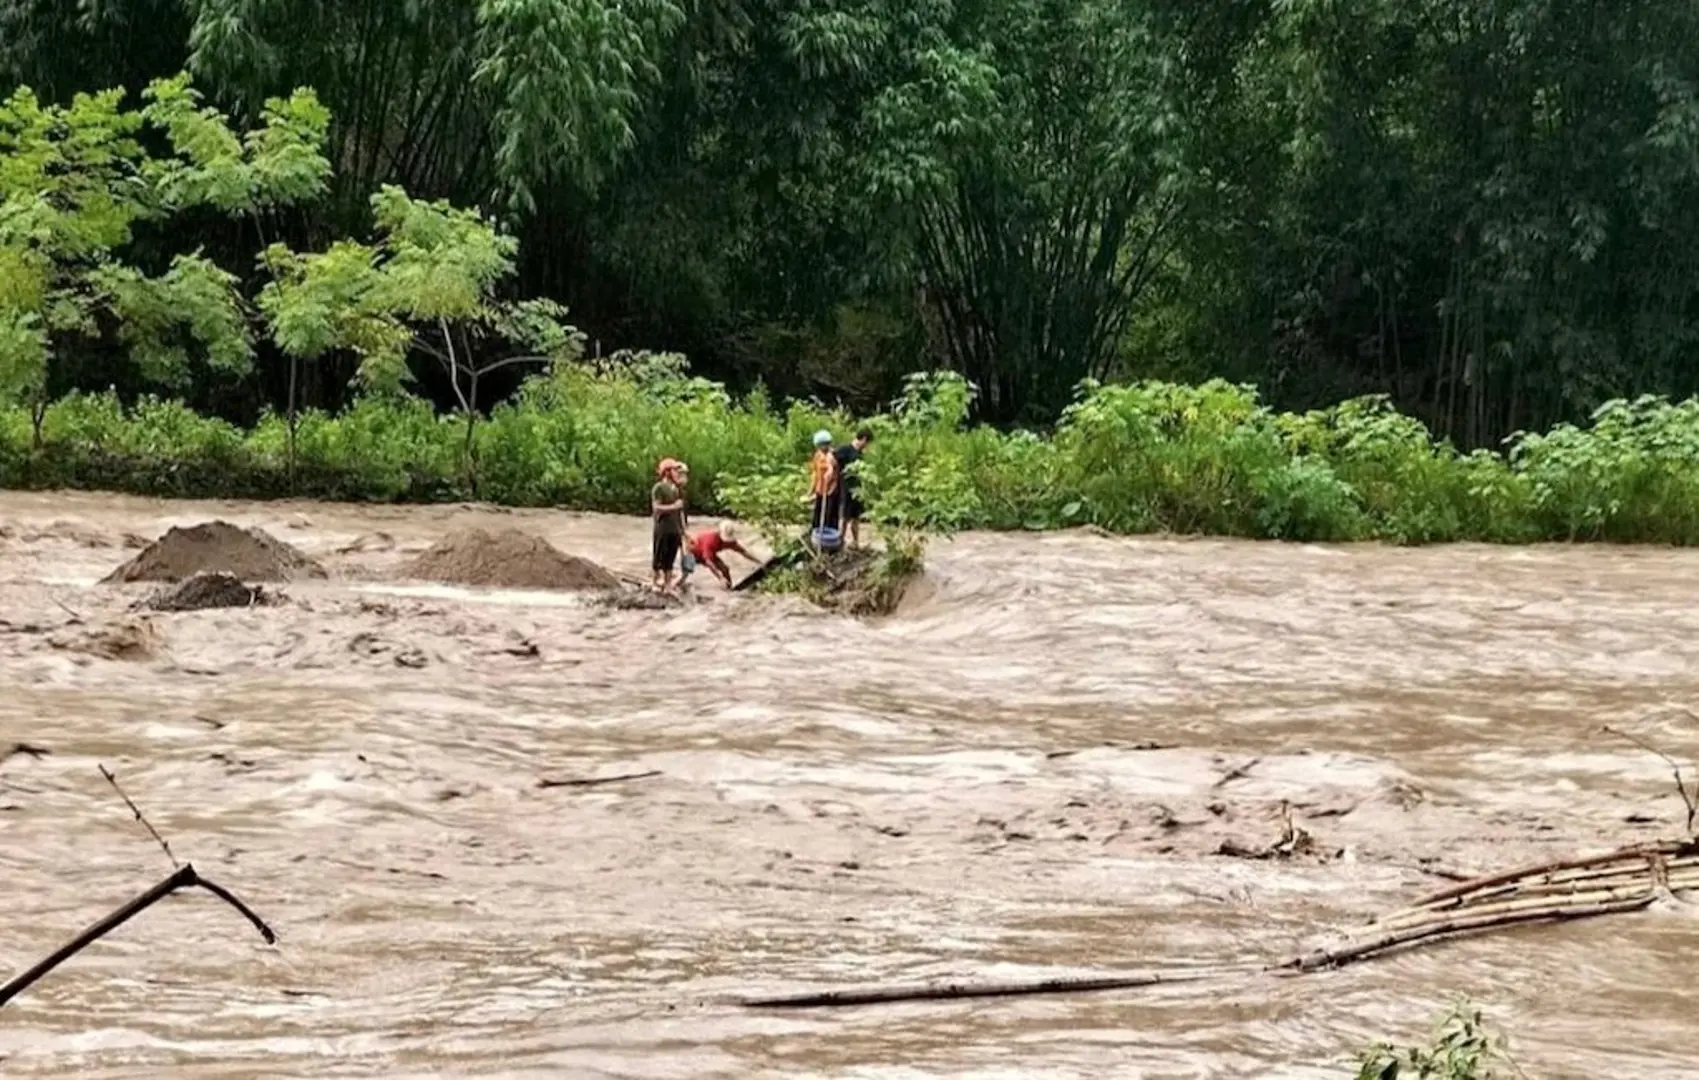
point(828, 539)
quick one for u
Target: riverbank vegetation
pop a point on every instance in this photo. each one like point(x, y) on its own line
point(169, 248)
point(1142, 457)
point(1463, 1047)
point(1484, 210)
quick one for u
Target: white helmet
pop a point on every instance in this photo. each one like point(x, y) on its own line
point(728, 531)
point(822, 438)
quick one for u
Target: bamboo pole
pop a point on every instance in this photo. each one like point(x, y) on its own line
point(1362, 950)
point(1680, 868)
point(1628, 879)
point(1681, 877)
point(1422, 917)
point(1666, 848)
point(957, 991)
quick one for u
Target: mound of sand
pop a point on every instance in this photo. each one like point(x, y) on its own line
point(217, 547)
point(202, 591)
point(507, 559)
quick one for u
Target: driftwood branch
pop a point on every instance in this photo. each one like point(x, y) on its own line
point(1615, 882)
point(597, 781)
point(1689, 799)
point(136, 810)
point(184, 877)
point(963, 991)
point(26, 749)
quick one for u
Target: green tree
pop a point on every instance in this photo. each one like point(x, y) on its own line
point(1004, 173)
point(427, 284)
point(1484, 209)
point(76, 184)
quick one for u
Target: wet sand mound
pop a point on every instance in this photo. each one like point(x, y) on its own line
point(506, 559)
point(217, 547)
point(203, 591)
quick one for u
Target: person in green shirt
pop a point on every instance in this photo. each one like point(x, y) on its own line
point(666, 507)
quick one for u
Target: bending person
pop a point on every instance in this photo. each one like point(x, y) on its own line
point(707, 545)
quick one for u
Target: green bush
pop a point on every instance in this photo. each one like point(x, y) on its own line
point(1463, 1047)
point(1147, 456)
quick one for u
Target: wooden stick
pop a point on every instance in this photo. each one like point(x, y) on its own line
point(595, 781)
point(134, 809)
point(183, 877)
point(1400, 930)
point(235, 901)
point(1313, 961)
point(1557, 891)
point(966, 991)
point(1687, 798)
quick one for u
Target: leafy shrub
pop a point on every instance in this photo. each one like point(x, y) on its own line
point(1462, 1048)
point(1148, 456)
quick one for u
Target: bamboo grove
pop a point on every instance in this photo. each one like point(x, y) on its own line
point(1481, 208)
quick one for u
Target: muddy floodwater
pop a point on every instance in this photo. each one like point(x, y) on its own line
point(1024, 772)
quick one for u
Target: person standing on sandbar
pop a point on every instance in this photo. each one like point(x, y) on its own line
point(666, 507)
point(823, 481)
point(849, 485)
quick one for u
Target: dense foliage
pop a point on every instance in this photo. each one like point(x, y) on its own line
point(1145, 456)
point(101, 271)
point(1484, 209)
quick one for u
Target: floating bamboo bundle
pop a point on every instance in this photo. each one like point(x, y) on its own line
point(1614, 882)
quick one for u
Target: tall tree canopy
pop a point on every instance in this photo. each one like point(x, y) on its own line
point(1484, 208)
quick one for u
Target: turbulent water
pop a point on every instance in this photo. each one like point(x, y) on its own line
point(1024, 772)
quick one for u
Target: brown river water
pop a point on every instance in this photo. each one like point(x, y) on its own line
point(966, 788)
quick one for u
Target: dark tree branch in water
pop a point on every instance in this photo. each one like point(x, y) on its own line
point(1689, 799)
point(597, 781)
point(136, 810)
point(183, 877)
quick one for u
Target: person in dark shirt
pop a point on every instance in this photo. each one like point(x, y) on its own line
point(666, 506)
point(849, 485)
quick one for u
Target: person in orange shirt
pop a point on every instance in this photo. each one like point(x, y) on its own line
point(823, 481)
point(707, 545)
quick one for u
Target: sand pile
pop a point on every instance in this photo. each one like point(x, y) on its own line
point(202, 591)
point(217, 547)
point(507, 559)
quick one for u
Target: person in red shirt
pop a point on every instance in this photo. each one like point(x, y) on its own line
point(706, 546)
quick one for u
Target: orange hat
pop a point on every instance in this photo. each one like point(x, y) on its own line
point(666, 466)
